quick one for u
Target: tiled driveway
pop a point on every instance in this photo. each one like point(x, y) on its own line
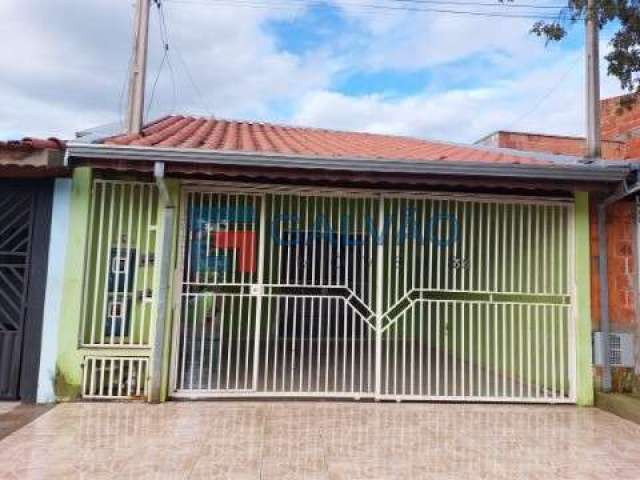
point(312, 440)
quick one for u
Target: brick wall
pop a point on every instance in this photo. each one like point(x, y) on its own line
point(619, 122)
point(622, 266)
point(532, 142)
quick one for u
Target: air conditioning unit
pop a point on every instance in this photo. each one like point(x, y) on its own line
point(620, 349)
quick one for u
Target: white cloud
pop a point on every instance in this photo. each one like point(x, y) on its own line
point(549, 99)
point(64, 70)
point(66, 66)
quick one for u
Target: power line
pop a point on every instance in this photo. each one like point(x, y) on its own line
point(483, 4)
point(166, 59)
point(544, 97)
point(185, 66)
point(374, 8)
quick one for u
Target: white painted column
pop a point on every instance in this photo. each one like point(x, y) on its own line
point(53, 294)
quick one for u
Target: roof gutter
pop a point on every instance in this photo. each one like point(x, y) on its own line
point(581, 172)
point(164, 281)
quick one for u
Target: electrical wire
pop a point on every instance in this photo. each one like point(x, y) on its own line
point(483, 4)
point(166, 59)
point(377, 7)
point(181, 59)
point(547, 94)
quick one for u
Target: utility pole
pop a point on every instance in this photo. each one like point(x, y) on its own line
point(137, 78)
point(594, 133)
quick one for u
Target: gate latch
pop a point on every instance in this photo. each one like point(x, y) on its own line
point(256, 290)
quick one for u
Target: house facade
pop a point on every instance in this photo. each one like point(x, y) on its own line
point(216, 259)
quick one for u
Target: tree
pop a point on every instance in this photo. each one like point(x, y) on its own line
point(623, 62)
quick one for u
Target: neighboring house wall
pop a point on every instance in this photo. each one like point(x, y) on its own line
point(622, 275)
point(620, 122)
point(532, 142)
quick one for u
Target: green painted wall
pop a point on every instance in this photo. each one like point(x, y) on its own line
point(68, 368)
point(584, 369)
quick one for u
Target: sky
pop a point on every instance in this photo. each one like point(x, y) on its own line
point(331, 64)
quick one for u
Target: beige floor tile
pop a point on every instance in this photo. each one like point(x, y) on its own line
point(321, 441)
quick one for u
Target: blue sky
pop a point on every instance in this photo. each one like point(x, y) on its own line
point(333, 64)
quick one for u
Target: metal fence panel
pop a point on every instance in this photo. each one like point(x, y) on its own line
point(367, 294)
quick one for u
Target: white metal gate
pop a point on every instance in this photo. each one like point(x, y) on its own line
point(374, 295)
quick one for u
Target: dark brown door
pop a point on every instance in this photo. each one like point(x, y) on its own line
point(24, 214)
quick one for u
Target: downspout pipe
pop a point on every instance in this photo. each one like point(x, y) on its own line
point(164, 273)
point(623, 191)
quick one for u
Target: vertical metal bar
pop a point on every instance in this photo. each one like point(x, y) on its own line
point(120, 378)
point(512, 362)
point(105, 295)
point(455, 239)
point(283, 263)
point(438, 249)
point(331, 302)
point(505, 260)
point(319, 238)
point(371, 298)
point(91, 368)
point(202, 340)
point(354, 284)
point(513, 254)
point(111, 363)
point(463, 350)
point(128, 295)
point(438, 350)
point(424, 245)
point(136, 307)
point(143, 368)
point(379, 295)
point(245, 279)
point(496, 352)
point(554, 346)
point(488, 271)
point(529, 375)
point(571, 288)
point(98, 262)
point(338, 281)
point(290, 234)
point(521, 256)
point(117, 294)
point(259, 299)
point(145, 279)
point(472, 259)
point(487, 346)
point(545, 246)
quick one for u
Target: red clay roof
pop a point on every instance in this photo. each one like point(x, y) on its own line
point(253, 137)
point(30, 143)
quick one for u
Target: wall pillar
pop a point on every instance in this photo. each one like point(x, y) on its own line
point(54, 290)
point(583, 328)
point(167, 240)
point(68, 375)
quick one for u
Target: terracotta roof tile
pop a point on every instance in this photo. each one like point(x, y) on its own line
point(234, 136)
point(30, 143)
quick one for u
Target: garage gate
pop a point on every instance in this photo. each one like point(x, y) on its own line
point(391, 296)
